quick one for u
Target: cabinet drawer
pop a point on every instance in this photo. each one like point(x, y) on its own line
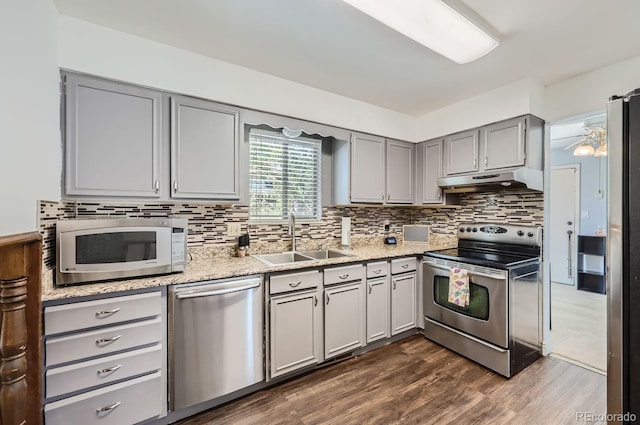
point(401, 265)
point(67, 379)
point(377, 269)
point(294, 281)
point(87, 314)
point(125, 403)
point(104, 341)
point(343, 274)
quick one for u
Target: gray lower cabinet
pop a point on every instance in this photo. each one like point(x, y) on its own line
point(403, 295)
point(378, 309)
point(113, 136)
point(204, 149)
point(461, 152)
point(400, 174)
point(367, 176)
point(378, 301)
point(295, 322)
point(344, 310)
point(109, 372)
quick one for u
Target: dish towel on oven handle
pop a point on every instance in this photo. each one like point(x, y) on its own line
point(458, 287)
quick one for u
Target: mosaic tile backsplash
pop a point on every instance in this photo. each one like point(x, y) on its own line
point(208, 221)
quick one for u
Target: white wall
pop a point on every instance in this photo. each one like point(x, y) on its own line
point(591, 91)
point(518, 98)
point(97, 50)
point(30, 153)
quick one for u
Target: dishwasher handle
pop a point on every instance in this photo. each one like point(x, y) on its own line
point(208, 291)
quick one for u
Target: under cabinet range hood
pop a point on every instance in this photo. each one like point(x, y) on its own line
point(519, 178)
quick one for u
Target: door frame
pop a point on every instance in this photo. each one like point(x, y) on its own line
point(576, 218)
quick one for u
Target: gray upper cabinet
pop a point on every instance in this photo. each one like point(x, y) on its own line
point(113, 135)
point(504, 144)
point(204, 149)
point(431, 154)
point(400, 173)
point(367, 169)
point(461, 152)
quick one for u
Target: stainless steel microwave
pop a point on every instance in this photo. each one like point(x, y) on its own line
point(90, 250)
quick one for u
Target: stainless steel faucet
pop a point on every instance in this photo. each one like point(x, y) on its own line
point(292, 230)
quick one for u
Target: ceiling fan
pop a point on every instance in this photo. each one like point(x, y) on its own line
point(592, 143)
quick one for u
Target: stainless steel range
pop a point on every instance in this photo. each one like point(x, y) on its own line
point(498, 325)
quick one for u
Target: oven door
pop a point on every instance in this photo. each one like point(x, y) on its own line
point(486, 316)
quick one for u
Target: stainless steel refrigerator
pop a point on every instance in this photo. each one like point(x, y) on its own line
point(623, 258)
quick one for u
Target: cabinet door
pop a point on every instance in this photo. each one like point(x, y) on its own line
point(403, 302)
point(378, 309)
point(344, 327)
point(295, 332)
point(204, 149)
point(112, 139)
point(367, 169)
point(431, 172)
point(504, 144)
point(461, 150)
point(399, 172)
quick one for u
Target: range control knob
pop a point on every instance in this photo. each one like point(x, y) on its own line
point(468, 229)
point(530, 234)
point(462, 229)
point(475, 229)
point(520, 233)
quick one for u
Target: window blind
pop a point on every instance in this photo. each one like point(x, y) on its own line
point(284, 176)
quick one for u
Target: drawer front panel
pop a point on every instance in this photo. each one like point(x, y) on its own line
point(87, 314)
point(343, 274)
point(402, 265)
point(377, 269)
point(101, 342)
point(294, 281)
point(67, 379)
point(125, 403)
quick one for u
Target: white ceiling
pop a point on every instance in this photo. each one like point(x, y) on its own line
point(331, 46)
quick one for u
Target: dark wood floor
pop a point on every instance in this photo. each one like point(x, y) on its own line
point(418, 382)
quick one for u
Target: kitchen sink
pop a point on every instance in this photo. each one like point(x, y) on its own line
point(281, 258)
point(323, 254)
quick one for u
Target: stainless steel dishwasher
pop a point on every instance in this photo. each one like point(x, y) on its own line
point(215, 339)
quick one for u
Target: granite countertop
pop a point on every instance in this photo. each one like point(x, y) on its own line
point(203, 269)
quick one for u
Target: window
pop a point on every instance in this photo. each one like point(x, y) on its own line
point(284, 176)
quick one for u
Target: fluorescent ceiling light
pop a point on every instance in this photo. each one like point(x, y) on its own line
point(433, 24)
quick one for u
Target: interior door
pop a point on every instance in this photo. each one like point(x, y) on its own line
point(565, 201)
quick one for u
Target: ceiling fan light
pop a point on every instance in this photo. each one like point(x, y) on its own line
point(602, 150)
point(433, 24)
point(584, 150)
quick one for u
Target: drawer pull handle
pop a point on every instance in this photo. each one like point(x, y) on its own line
point(295, 284)
point(109, 369)
point(378, 271)
point(343, 276)
point(108, 408)
point(103, 313)
point(108, 340)
point(405, 266)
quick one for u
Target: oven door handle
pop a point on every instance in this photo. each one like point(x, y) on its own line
point(497, 275)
